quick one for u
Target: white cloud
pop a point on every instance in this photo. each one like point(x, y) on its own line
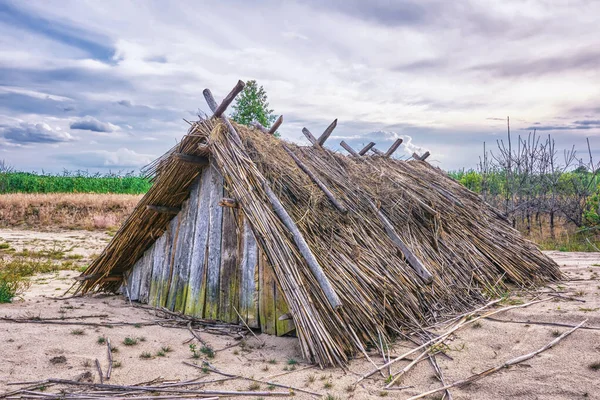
point(431, 66)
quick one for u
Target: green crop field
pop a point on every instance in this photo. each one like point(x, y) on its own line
point(78, 182)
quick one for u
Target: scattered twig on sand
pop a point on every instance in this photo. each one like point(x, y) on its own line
point(194, 334)
point(565, 297)
point(497, 368)
point(112, 388)
point(466, 320)
point(99, 371)
point(511, 321)
point(289, 372)
point(215, 370)
point(262, 343)
point(53, 322)
point(110, 359)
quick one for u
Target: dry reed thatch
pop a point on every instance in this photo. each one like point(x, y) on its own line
point(470, 250)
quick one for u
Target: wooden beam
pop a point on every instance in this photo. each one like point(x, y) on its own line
point(377, 151)
point(228, 202)
point(276, 125)
point(366, 148)
point(259, 126)
point(303, 248)
point(393, 148)
point(210, 100)
point(229, 98)
point(421, 158)
point(188, 158)
point(349, 149)
point(164, 209)
point(310, 137)
point(325, 135)
point(412, 260)
point(316, 180)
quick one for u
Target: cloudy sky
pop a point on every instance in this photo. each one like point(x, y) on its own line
point(102, 85)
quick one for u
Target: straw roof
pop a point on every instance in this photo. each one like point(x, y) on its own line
point(468, 248)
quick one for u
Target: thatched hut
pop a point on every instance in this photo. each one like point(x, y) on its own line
point(342, 251)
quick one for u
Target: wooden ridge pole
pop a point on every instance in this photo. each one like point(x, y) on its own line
point(316, 180)
point(228, 99)
point(413, 261)
point(310, 137)
point(276, 125)
point(325, 135)
point(366, 148)
point(289, 223)
point(349, 149)
point(393, 148)
point(377, 151)
point(421, 158)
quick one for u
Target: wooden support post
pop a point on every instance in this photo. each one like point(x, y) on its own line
point(349, 149)
point(228, 99)
point(310, 137)
point(377, 151)
point(393, 148)
point(201, 161)
point(164, 209)
point(366, 148)
point(276, 125)
point(325, 135)
point(289, 223)
point(228, 202)
point(316, 180)
point(413, 261)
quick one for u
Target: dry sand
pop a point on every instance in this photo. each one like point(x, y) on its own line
point(562, 372)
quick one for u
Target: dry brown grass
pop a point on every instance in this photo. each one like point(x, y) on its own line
point(65, 210)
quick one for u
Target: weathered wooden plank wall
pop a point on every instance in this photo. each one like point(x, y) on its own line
point(248, 270)
point(207, 264)
point(229, 281)
point(213, 270)
point(194, 304)
point(266, 296)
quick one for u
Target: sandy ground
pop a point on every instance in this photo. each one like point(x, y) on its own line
point(562, 372)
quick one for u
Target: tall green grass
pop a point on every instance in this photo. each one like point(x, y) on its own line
point(72, 182)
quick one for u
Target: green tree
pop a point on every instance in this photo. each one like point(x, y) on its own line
point(252, 105)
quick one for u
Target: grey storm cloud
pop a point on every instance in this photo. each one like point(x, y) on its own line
point(28, 133)
point(92, 124)
point(584, 60)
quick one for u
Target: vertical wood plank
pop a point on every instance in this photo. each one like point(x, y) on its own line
point(211, 308)
point(194, 304)
point(133, 281)
point(146, 275)
point(281, 307)
point(181, 269)
point(158, 262)
point(248, 267)
point(168, 261)
point(266, 297)
point(229, 282)
point(174, 283)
